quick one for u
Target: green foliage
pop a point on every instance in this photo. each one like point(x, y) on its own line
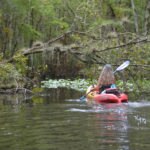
point(109, 22)
point(12, 74)
point(37, 90)
point(37, 100)
point(78, 84)
point(30, 32)
point(41, 20)
point(20, 62)
point(135, 86)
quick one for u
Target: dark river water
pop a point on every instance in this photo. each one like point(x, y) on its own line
point(57, 120)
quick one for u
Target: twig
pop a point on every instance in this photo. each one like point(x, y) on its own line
point(123, 45)
point(11, 91)
point(59, 37)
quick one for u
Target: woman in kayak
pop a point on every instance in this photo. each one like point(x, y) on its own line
point(106, 80)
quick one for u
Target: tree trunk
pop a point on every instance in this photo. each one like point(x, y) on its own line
point(11, 34)
point(135, 17)
point(147, 17)
point(32, 23)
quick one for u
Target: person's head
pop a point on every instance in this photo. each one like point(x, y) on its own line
point(107, 76)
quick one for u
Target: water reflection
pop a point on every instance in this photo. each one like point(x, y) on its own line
point(58, 120)
point(111, 123)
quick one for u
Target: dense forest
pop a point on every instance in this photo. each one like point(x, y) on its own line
point(73, 38)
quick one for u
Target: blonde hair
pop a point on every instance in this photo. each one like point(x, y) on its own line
point(107, 77)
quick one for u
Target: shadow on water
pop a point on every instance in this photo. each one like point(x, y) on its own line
point(56, 119)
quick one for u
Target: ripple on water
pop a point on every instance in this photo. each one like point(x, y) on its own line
point(139, 104)
point(69, 124)
point(118, 108)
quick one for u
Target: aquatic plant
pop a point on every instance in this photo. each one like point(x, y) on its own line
point(82, 84)
point(78, 84)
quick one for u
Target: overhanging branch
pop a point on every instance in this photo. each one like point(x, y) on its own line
point(123, 45)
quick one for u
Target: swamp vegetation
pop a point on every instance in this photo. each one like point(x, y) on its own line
point(47, 39)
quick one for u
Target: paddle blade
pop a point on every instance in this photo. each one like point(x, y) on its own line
point(83, 97)
point(124, 65)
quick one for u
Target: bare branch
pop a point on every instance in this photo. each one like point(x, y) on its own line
point(70, 32)
point(123, 45)
point(59, 37)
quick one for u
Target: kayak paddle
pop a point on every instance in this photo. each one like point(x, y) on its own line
point(121, 67)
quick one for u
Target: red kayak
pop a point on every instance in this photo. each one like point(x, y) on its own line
point(111, 95)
